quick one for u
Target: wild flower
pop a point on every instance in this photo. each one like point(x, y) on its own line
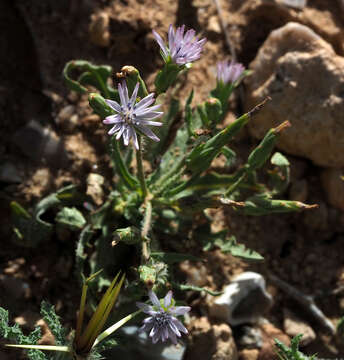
point(182, 48)
point(229, 72)
point(162, 322)
point(131, 116)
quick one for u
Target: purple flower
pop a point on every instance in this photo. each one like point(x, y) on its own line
point(182, 49)
point(229, 72)
point(131, 116)
point(162, 322)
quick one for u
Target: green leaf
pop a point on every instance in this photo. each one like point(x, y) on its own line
point(53, 321)
point(94, 75)
point(14, 333)
point(186, 287)
point(280, 176)
point(238, 250)
point(340, 327)
point(171, 258)
point(292, 353)
point(167, 76)
point(70, 218)
point(202, 155)
point(80, 256)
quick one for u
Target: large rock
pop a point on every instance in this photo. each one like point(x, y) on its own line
point(305, 78)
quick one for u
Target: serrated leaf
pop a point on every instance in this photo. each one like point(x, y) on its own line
point(239, 250)
point(14, 333)
point(53, 322)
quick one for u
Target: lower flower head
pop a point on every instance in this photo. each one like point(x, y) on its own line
point(131, 117)
point(229, 72)
point(162, 323)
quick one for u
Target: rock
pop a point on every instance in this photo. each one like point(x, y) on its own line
point(41, 144)
point(211, 341)
point(47, 336)
point(333, 185)
point(99, 29)
point(297, 4)
point(245, 300)
point(9, 173)
point(270, 332)
point(284, 69)
point(249, 354)
point(94, 188)
point(196, 273)
point(298, 190)
point(249, 337)
point(294, 326)
point(67, 118)
point(213, 24)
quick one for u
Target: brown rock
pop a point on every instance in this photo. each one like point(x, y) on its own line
point(294, 326)
point(211, 341)
point(284, 69)
point(270, 332)
point(99, 29)
point(333, 186)
point(249, 354)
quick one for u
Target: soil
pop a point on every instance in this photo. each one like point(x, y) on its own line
point(39, 37)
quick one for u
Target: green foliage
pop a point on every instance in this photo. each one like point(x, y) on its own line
point(291, 353)
point(14, 333)
point(53, 321)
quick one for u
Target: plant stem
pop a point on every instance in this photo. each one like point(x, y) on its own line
point(140, 172)
point(147, 220)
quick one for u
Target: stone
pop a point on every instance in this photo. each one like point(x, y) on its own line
point(249, 337)
point(99, 29)
point(41, 144)
point(285, 69)
point(211, 341)
point(270, 332)
point(94, 188)
point(249, 354)
point(333, 185)
point(294, 326)
point(9, 173)
point(297, 4)
point(245, 300)
point(67, 118)
point(196, 273)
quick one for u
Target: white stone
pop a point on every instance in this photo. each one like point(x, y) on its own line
point(245, 300)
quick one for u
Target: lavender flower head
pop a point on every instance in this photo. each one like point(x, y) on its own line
point(229, 72)
point(162, 323)
point(131, 116)
point(182, 48)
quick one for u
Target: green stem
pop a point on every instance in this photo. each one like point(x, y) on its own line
point(147, 221)
point(140, 172)
point(104, 90)
point(234, 186)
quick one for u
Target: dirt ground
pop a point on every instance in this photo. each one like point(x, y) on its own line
point(39, 37)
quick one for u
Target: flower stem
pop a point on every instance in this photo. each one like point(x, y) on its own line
point(147, 221)
point(140, 172)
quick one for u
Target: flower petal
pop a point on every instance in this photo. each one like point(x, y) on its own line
point(161, 43)
point(114, 105)
point(153, 298)
point(112, 119)
point(134, 95)
point(179, 310)
point(148, 132)
point(168, 299)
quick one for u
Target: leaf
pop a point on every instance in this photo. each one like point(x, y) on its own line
point(70, 218)
point(202, 155)
point(187, 287)
point(292, 353)
point(53, 321)
point(280, 176)
point(80, 256)
point(238, 250)
point(91, 74)
point(171, 258)
point(14, 333)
